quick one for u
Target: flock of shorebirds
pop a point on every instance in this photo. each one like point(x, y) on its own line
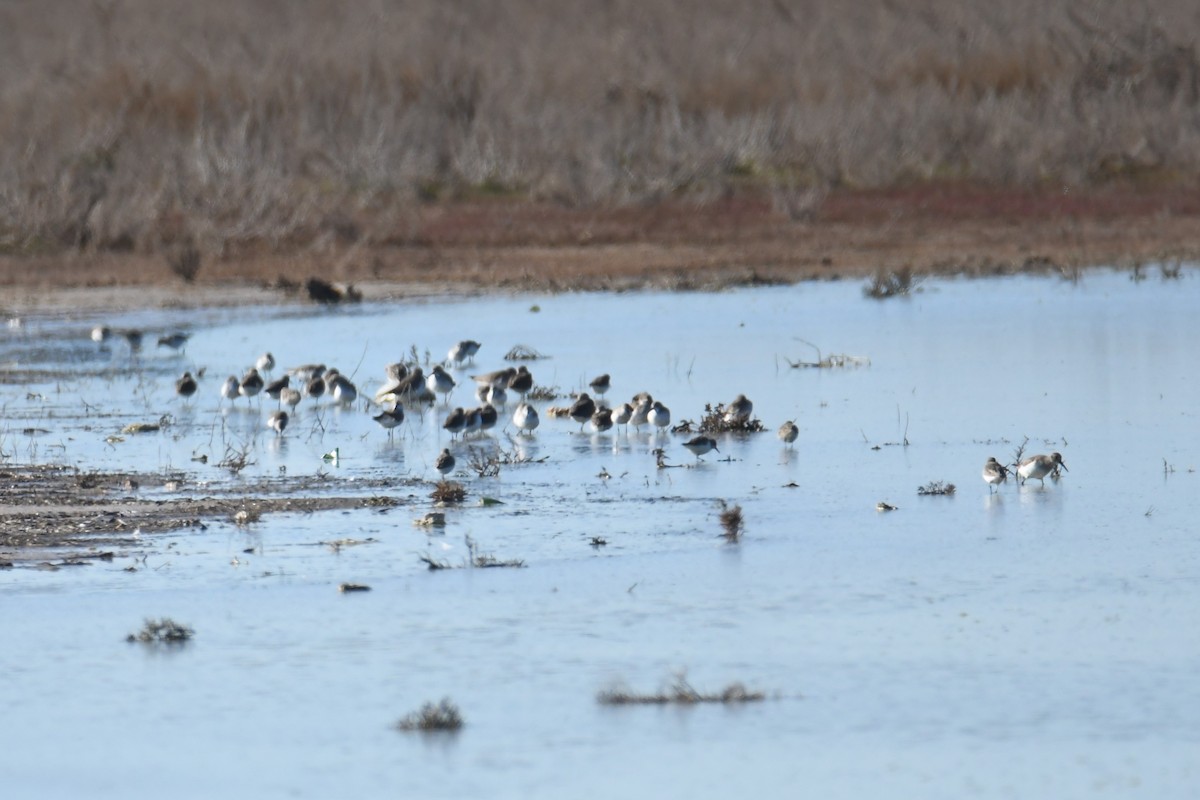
point(407, 384)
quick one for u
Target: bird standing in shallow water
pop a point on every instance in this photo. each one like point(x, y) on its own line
point(389, 419)
point(440, 382)
point(699, 445)
point(277, 422)
point(602, 420)
point(525, 418)
point(622, 414)
point(186, 385)
point(251, 384)
point(994, 473)
point(582, 409)
point(659, 416)
point(788, 432)
point(739, 410)
point(600, 384)
point(455, 421)
point(229, 389)
point(1039, 467)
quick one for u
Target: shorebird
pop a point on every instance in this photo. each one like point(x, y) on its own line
point(265, 363)
point(186, 385)
point(602, 419)
point(101, 334)
point(582, 409)
point(521, 381)
point(641, 412)
point(252, 383)
point(788, 432)
point(275, 388)
point(473, 420)
point(994, 473)
point(445, 462)
point(463, 351)
point(341, 389)
point(488, 416)
point(440, 382)
point(306, 372)
point(499, 377)
point(600, 384)
point(175, 341)
point(290, 397)
point(229, 389)
point(389, 419)
point(739, 410)
point(659, 415)
point(1039, 467)
point(621, 414)
point(699, 445)
point(525, 417)
point(315, 387)
point(494, 395)
point(396, 371)
point(456, 421)
point(277, 422)
point(133, 337)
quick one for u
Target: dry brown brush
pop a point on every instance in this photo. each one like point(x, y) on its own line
point(147, 125)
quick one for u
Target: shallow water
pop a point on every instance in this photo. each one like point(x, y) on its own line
point(1035, 642)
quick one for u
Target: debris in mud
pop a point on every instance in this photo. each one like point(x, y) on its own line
point(162, 631)
point(732, 523)
point(246, 516)
point(432, 717)
point(936, 488)
point(145, 427)
point(434, 519)
point(882, 506)
point(598, 541)
point(680, 692)
point(523, 352)
point(353, 587)
point(324, 292)
point(886, 284)
point(833, 361)
point(447, 492)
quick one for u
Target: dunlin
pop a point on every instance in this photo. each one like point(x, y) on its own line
point(582, 409)
point(602, 420)
point(133, 338)
point(252, 383)
point(315, 387)
point(445, 462)
point(186, 385)
point(659, 416)
point(788, 432)
point(473, 421)
point(175, 341)
point(488, 416)
point(341, 389)
point(600, 384)
point(521, 381)
point(101, 334)
point(277, 422)
point(699, 445)
point(275, 388)
point(994, 473)
point(229, 389)
point(463, 351)
point(499, 377)
point(390, 418)
point(525, 417)
point(641, 412)
point(290, 397)
point(739, 410)
point(440, 382)
point(621, 414)
point(265, 363)
point(456, 421)
point(1039, 467)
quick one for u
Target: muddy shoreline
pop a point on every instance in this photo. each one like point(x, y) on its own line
point(485, 247)
point(61, 516)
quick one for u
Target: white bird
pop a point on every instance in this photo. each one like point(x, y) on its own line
point(994, 473)
point(277, 422)
point(440, 382)
point(525, 418)
point(265, 363)
point(659, 416)
point(229, 389)
point(1039, 467)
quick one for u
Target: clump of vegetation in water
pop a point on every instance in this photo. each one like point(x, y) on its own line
point(443, 716)
point(449, 492)
point(680, 692)
point(936, 488)
point(732, 523)
point(162, 631)
point(889, 284)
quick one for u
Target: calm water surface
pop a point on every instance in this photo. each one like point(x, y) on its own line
point(1032, 643)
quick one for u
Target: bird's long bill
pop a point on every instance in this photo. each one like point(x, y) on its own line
point(1064, 466)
